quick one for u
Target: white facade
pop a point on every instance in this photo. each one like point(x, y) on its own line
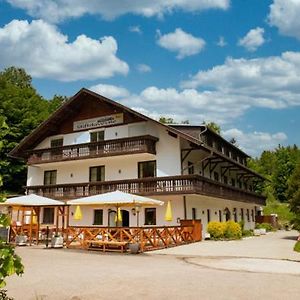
point(168, 163)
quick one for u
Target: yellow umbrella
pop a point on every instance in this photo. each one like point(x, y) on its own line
point(168, 215)
point(119, 215)
point(34, 220)
point(78, 214)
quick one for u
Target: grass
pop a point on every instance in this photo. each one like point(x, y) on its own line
point(297, 247)
point(281, 209)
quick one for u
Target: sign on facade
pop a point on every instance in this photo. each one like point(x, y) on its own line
point(98, 122)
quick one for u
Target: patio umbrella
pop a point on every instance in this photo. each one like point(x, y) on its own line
point(116, 198)
point(168, 215)
point(31, 200)
point(78, 214)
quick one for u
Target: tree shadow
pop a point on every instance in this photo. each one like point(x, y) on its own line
point(292, 237)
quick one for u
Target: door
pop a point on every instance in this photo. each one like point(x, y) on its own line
point(112, 218)
point(125, 218)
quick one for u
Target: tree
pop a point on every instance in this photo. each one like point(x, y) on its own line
point(23, 109)
point(166, 120)
point(293, 194)
point(10, 263)
point(213, 126)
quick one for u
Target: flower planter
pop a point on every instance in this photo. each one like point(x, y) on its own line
point(263, 231)
point(57, 242)
point(134, 248)
point(21, 240)
point(256, 232)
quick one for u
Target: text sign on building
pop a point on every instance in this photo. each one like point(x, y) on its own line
point(98, 122)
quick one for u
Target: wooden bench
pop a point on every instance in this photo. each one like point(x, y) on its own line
point(106, 245)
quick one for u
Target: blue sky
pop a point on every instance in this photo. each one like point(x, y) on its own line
point(233, 62)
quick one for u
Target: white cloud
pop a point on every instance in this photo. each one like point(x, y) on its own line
point(110, 91)
point(255, 142)
point(136, 29)
point(58, 10)
point(253, 39)
point(284, 14)
point(221, 42)
point(142, 68)
point(271, 82)
point(181, 42)
point(46, 53)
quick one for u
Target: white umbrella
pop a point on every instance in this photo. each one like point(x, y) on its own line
point(31, 200)
point(116, 198)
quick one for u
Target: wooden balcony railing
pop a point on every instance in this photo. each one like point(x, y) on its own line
point(184, 184)
point(131, 145)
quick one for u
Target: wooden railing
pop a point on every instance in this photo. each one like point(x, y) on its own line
point(184, 184)
point(131, 145)
point(148, 238)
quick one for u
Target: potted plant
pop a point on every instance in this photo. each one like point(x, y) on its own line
point(21, 239)
point(134, 248)
point(57, 241)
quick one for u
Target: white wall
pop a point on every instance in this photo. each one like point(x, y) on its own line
point(202, 203)
point(176, 204)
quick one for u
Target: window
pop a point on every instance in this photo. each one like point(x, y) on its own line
point(252, 215)
point(248, 215)
point(232, 182)
point(219, 147)
point(48, 215)
point(240, 184)
point(208, 216)
point(216, 176)
point(190, 168)
point(242, 214)
point(147, 169)
point(194, 213)
point(235, 214)
point(220, 216)
point(97, 136)
point(209, 141)
point(150, 216)
point(97, 173)
point(225, 179)
point(56, 143)
point(50, 177)
point(227, 153)
point(98, 217)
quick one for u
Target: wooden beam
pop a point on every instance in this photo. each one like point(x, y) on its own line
point(186, 155)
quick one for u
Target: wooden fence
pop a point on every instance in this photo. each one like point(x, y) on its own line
point(148, 238)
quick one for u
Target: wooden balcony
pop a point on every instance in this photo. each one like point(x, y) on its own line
point(131, 145)
point(184, 184)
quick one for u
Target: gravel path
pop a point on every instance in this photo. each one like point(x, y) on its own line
point(63, 274)
point(275, 245)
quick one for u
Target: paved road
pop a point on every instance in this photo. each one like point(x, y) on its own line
point(68, 274)
point(277, 245)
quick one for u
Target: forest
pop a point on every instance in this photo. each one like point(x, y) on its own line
point(22, 109)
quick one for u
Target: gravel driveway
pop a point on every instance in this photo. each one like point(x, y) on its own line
point(194, 274)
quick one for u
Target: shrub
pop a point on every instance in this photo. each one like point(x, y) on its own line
point(246, 233)
point(233, 230)
point(297, 247)
point(266, 226)
point(216, 229)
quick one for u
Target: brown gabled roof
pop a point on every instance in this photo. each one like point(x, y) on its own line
point(185, 128)
point(66, 109)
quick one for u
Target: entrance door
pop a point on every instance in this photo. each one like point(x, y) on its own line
point(112, 218)
point(125, 218)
